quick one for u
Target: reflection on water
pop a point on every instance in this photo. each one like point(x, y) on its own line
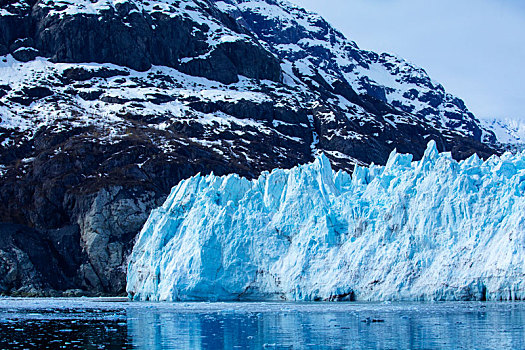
point(85, 324)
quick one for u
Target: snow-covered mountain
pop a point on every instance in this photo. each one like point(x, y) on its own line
point(507, 130)
point(433, 229)
point(105, 105)
point(321, 56)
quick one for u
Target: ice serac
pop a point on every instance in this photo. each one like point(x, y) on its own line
point(434, 229)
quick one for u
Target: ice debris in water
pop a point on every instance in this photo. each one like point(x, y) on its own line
point(434, 229)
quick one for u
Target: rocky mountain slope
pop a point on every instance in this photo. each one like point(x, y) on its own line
point(509, 131)
point(105, 105)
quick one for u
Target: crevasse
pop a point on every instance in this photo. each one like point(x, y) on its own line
point(434, 229)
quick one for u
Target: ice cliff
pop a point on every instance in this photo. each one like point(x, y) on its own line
point(434, 229)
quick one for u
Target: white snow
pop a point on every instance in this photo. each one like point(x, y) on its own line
point(507, 130)
point(136, 90)
point(432, 229)
point(4, 12)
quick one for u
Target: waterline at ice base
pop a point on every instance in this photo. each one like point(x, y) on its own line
point(434, 229)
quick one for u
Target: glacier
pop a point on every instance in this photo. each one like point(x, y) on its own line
point(434, 229)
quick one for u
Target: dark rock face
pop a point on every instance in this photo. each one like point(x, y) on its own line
point(127, 36)
point(80, 74)
point(118, 111)
point(25, 54)
point(36, 262)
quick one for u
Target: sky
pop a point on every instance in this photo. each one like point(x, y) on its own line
point(475, 48)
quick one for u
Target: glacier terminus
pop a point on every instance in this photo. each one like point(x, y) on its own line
point(434, 229)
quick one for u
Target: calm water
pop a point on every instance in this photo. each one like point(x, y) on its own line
point(85, 324)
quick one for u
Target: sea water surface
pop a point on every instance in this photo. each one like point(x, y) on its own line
point(90, 324)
